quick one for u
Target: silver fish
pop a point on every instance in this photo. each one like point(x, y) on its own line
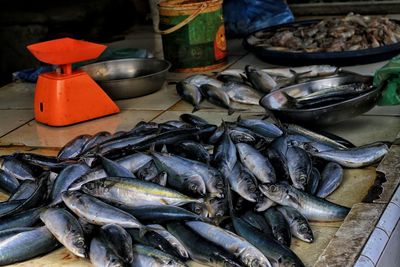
point(16, 168)
point(248, 254)
point(256, 163)
point(27, 245)
point(298, 224)
point(201, 79)
point(171, 239)
point(65, 178)
point(260, 80)
point(241, 93)
point(313, 208)
point(102, 255)
point(243, 183)
point(217, 96)
point(119, 240)
point(355, 157)
point(8, 182)
point(97, 212)
point(190, 93)
point(313, 182)
point(144, 256)
point(135, 193)
point(74, 147)
point(299, 165)
point(331, 178)
point(66, 229)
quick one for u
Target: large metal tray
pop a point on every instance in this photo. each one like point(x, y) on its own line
point(344, 58)
point(330, 114)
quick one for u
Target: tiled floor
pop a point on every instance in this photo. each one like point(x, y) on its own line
point(18, 127)
point(16, 104)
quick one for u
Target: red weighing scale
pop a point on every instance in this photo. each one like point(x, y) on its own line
point(65, 97)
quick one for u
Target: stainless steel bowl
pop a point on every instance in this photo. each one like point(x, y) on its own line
point(127, 78)
point(330, 114)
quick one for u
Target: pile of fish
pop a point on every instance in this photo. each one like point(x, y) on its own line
point(353, 32)
point(244, 87)
point(164, 194)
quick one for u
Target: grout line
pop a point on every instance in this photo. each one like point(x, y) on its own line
point(16, 128)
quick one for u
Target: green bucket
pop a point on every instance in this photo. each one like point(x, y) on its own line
point(193, 34)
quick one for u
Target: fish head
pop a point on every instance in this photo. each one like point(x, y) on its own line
point(305, 231)
point(300, 182)
point(195, 184)
point(284, 261)
point(79, 245)
point(253, 261)
point(275, 192)
point(114, 261)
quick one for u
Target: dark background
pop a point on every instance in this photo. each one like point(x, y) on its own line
point(27, 22)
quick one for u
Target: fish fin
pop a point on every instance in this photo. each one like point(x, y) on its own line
point(289, 98)
point(164, 149)
point(233, 110)
point(195, 108)
point(244, 78)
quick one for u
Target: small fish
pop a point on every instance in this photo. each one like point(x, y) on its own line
point(299, 165)
point(98, 212)
point(279, 226)
point(100, 254)
point(193, 120)
point(241, 93)
point(16, 168)
point(74, 147)
point(26, 218)
point(257, 221)
point(355, 157)
point(313, 182)
point(162, 214)
point(299, 226)
point(66, 229)
point(225, 155)
point(190, 93)
point(175, 243)
point(331, 178)
point(27, 245)
point(112, 168)
point(277, 254)
point(8, 182)
point(242, 135)
point(263, 128)
point(201, 79)
point(256, 163)
point(96, 139)
point(199, 249)
point(135, 193)
point(313, 208)
point(232, 75)
point(217, 96)
point(65, 178)
point(260, 80)
point(119, 240)
point(243, 182)
point(248, 254)
point(191, 150)
point(144, 256)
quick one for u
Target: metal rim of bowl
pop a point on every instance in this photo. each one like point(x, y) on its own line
point(314, 109)
point(135, 59)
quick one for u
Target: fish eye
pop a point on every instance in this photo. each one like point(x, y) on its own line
point(273, 188)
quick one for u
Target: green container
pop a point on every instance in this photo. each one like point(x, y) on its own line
point(193, 34)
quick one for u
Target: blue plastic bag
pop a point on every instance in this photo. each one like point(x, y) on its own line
point(243, 17)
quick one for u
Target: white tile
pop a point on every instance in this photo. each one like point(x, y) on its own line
point(389, 218)
point(367, 69)
point(385, 111)
point(160, 100)
point(17, 95)
point(396, 197)
point(11, 119)
point(391, 256)
point(363, 262)
point(375, 245)
point(39, 135)
point(366, 129)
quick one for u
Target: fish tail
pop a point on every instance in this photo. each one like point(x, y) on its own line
point(195, 108)
point(233, 110)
